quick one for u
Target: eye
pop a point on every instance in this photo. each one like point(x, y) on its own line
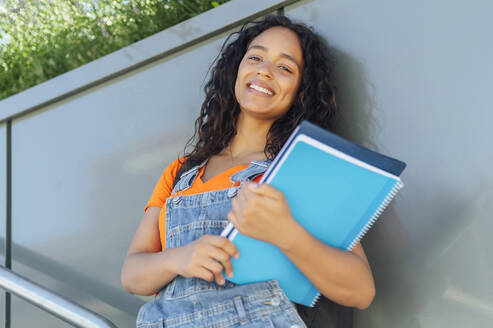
point(285, 68)
point(258, 59)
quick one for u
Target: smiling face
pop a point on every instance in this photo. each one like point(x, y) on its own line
point(269, 74)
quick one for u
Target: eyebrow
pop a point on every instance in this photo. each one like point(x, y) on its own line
point(282, 54)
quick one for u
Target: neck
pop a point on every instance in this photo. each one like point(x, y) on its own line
point(250, 138)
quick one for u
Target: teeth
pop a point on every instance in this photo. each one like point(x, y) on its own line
point(256, 87)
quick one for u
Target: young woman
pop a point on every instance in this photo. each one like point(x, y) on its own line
point(273, 75)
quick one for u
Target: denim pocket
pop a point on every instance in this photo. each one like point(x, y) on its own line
point(182, 287)
point(186, 233)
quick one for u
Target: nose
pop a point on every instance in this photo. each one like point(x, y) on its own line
point(264, 70)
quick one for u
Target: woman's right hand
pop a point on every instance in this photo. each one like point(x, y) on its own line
point(206, 257)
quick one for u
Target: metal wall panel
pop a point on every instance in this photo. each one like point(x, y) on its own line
point(415, 80)
point(84, 170)
point(3, 212)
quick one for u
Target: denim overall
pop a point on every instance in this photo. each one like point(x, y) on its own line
point(193, 302)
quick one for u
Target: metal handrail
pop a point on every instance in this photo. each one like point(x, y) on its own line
point(51, 302)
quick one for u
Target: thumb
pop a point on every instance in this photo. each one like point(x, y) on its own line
point(253, 186)
point(263, 189)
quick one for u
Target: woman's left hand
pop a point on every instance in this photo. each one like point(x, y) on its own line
point(261, 211)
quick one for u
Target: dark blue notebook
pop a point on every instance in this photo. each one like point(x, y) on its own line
point(335, 189)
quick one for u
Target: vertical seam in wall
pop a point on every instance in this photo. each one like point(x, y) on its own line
point(280, 11)
point(8, 217)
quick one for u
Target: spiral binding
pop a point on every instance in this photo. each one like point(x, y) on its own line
point(377, 213)
point(367, 226)
point(315, 299)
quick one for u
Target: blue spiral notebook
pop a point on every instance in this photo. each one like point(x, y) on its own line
point(335, 189)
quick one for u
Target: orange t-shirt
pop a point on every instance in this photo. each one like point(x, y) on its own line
point(165, 184)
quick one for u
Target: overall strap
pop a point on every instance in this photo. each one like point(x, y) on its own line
point(184, 167)
point(259, 167)
point(253, 170)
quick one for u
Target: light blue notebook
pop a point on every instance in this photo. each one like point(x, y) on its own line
point(335, 189)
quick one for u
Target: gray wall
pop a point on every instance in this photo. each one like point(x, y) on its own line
point(94, 172)
point(85, 166)
point(3, 212)
point(413, 81)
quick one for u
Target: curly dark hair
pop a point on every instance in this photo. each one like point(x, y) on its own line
point(315, 99)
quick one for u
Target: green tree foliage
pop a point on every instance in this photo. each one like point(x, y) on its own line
point(42, 39)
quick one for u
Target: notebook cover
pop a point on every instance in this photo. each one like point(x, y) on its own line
point(333, 199)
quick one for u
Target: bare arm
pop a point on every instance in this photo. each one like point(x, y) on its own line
point(261, 212)
point(344, 277)
point(147, 269)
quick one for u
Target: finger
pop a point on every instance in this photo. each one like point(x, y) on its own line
point(265, 190)
point(244, 195)
point(244, 190)
point(202, 273)
point(228, 267)
point(240, 202)
point(218, 254)
point(250, 202)
point(216, 269)
point(221, 242)
point(232, 218)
